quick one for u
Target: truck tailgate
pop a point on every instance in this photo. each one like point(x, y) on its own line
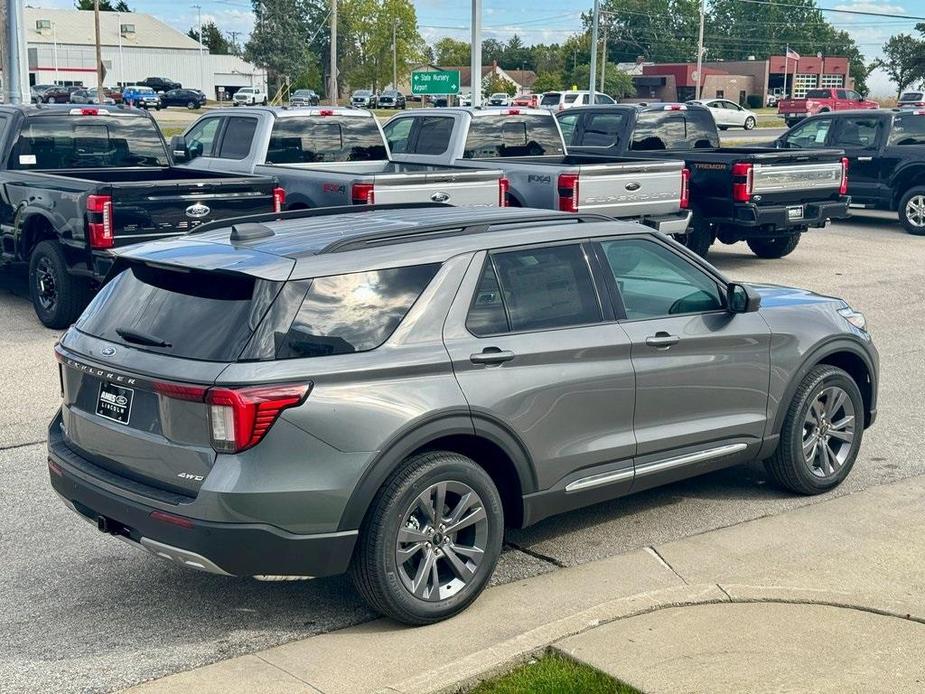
point(630, 189)
point(470, 188)
point(769, 179)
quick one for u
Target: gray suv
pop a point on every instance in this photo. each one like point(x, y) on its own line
point(383, 390)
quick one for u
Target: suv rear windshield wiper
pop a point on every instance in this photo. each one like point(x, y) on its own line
point(141, 338)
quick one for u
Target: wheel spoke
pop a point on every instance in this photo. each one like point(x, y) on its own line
point(440, 502)
point(818, 411)
point(460, 568)
point(405, 553)
point(463, 505)
point(831, 462)
point(474, 517)
point(834, 402)
point(422, 577)
point(809, 448)
point(407, 534)
point(842, 424)
point(473, 553)
point(846, 436)
point(426, 503)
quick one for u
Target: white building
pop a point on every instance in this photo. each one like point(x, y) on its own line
point(61, 48)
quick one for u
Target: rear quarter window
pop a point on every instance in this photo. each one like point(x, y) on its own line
point(513, 136)
point(311, 139)
point(675, 131)
point(908, 130)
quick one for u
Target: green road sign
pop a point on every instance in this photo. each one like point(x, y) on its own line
point(443, 82)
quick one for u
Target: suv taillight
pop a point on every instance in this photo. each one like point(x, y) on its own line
point(843, 188)
point(363, 194)
point(685, 188)
point(504, 186)
point(279, 199)
point(99, 223)
point(568, 192)
point(240, 417)
point(742, 182)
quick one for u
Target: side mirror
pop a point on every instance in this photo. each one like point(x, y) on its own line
point(740, 298)
point(178, 148)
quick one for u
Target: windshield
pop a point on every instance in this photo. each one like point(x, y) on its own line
point(513, 136)
point(308, 139)
point(362, 93)
point(911, 96)
point(303, 92)
point(62, 141)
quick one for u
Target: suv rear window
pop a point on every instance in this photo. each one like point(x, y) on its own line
point(304, 140)
point(63, 141)
point(513, 136)
point(675, 131)
point(196, 314)
point(551, 99)
point(911, 96)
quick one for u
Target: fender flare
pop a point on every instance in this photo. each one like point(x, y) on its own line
point(24, 216)
point(299, 199)
point(904, 178)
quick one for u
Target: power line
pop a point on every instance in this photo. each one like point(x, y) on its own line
point(863, 13)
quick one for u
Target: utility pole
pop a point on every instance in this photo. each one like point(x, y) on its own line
point(202, 73)
point(99, 53)
point(54, 40)
point(394, 54)
point(13, 48)
point(699, 89)
point(234, 40)
point(121, 80)
point(603, 61)
point(332, 88)
point(594, 27)
point(475, 66)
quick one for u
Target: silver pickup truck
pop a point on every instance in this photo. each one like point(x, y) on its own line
point(527, 145)
point(326, 157)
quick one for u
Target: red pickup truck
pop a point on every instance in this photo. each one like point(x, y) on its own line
point(821, 101)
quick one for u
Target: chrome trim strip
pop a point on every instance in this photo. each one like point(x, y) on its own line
point(598, 480)
point(691, 458)
point(180, 556)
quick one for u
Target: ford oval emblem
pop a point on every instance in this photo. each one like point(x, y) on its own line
point(197, 210)
point(440, 197)
point(633, 186)
point(108, 351)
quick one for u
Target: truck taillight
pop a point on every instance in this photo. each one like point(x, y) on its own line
point(843, 188)
point(363, 194)
point(239, 418)
point(742, 182)
point(685, 188)
point(99, 222)
point(503, 187)
point(568, 192)
point(279, 199)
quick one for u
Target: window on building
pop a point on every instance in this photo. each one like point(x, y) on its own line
point(803, 83)
point(720, 94)
point(832, 81)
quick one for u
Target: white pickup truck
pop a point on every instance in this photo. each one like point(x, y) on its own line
point(527, 145)
point(327, 157)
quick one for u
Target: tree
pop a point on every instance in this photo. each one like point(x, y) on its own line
point(548, 82)
point(105, 6)
point(660, 30)
point(368, 39)
point(449, 51)
point(213, 39)
point(493, 83)
point(492, 51)
point(903, 60)
point(274, 19)
point(516, 54)
point(616, 82)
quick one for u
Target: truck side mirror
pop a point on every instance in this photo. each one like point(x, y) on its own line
point(178, 148)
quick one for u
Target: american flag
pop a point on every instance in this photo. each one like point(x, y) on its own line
point(792, 54)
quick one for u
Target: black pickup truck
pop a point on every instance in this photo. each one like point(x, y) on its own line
point(764, 196)
point(77, 182)
point(886, 157)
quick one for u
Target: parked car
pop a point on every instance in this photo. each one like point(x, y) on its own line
point(729, 114)
point(465, 99)
point(559, 101)
point(911, 100)
point(58, 94)
point(363, 98)
point(760, 195)
point(391, 98)
point(527, 146)
point(526, 100)
point(36, 92)
point(370, 400)
point(188, 98)
point(160, 84)
point(249, 96)
point(821, 101)
point(499, 99)
point(886, 157)
point(304, 97)
point(326, 157)
point(81, 182)
point(89, 96)
point(142, 97)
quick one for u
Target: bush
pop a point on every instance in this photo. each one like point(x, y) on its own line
point(754, 101)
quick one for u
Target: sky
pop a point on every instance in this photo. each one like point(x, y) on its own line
point(538, 21)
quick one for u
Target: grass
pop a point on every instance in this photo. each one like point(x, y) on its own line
point(554, 674)
point(170, 131)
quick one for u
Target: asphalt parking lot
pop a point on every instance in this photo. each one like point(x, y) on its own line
point(82, 612)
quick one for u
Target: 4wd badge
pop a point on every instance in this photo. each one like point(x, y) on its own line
point(197, 210)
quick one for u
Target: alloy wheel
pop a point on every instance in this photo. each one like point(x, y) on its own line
point(45, 286)
point(915, 210)
point(442, 541)
point(828, 431)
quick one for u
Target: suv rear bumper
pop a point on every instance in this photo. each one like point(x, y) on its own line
point(238, 549)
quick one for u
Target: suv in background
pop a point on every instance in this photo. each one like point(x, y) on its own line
point(190, 98)
point(160, 84)
point(58, 94)
point(391, 98)
point(363, 98)
point(142, 97)
point(559, 101)
point(249, 96)
point(384, 390)
point(304, 97)
point(911, 100)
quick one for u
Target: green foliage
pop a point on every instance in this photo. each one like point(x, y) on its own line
point(554, 674)
point(213, 39)
point(659, 30)
point(492, 84)
point(449, 51)
point(105, 6)
point(278, 42)
point(548, 82)
point(616, 83)
point(367, 40)
point(904, 60)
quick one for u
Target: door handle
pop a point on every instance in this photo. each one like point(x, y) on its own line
point(491, 355)
point(662, 340)
point(865, 158)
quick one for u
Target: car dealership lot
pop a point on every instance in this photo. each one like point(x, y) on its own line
point(85, 612)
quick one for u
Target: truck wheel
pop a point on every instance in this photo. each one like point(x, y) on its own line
point(750, 123)
point(699, 236)
point(431, 539)
point(821, 434)
point(57, 296)
point(774, 248)
point(912, 211)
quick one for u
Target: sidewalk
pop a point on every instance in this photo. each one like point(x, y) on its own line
point(829, 597)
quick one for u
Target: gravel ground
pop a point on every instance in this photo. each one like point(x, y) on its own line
point(82, 612)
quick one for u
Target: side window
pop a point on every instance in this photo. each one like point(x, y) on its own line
point(534, 289)
point(603, 99)
point(568, 123)
point(433, 135)
point(201, 137)
point(343, 314)
point(810, 134)
point(842, 94)
point(857, 132)
point(239, 134)
point(854, 96)
point(397, 133)
point(4, 122)
point(655, 131)
point(654, 282)
point(602, 130)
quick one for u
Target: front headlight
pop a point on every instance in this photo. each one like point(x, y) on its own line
point(856, 318)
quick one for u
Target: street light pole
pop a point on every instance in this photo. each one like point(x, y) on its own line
point(603, 60)
point(699, 89)
point(594, 28)
point(54, 39)
point(202, 78)
point(394, 54)
point(332, 81)
point(121, 79)
point(99, 53)
point(475, 66)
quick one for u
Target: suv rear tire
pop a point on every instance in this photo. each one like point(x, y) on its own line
point(57, 296)
point(775, 247)
point(913, 217)
point(401, 525)
point(821, 434)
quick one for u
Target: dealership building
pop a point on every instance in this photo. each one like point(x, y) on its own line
point(61, 48)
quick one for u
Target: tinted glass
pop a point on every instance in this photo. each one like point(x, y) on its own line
point(542, 288)
point(568, 123)
point(673, 130)
point(571, 98)
point(854, 96)
point(308, 139)
point(841, 94)
point(397, 133)
point(87, 142)
point(818, 93)
point(197, 314)
point(487, 315)
point(857, 132)
point(513, 136)
point(4, 122)
point(602, 130)
point(550, 99)
point(654, 282)
point(808, 135)
point(200, 138)
point(353, 313)
point(433, 135)
point(911, 96)
point(236, 141)
point(908, 130)
point(603, 99)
